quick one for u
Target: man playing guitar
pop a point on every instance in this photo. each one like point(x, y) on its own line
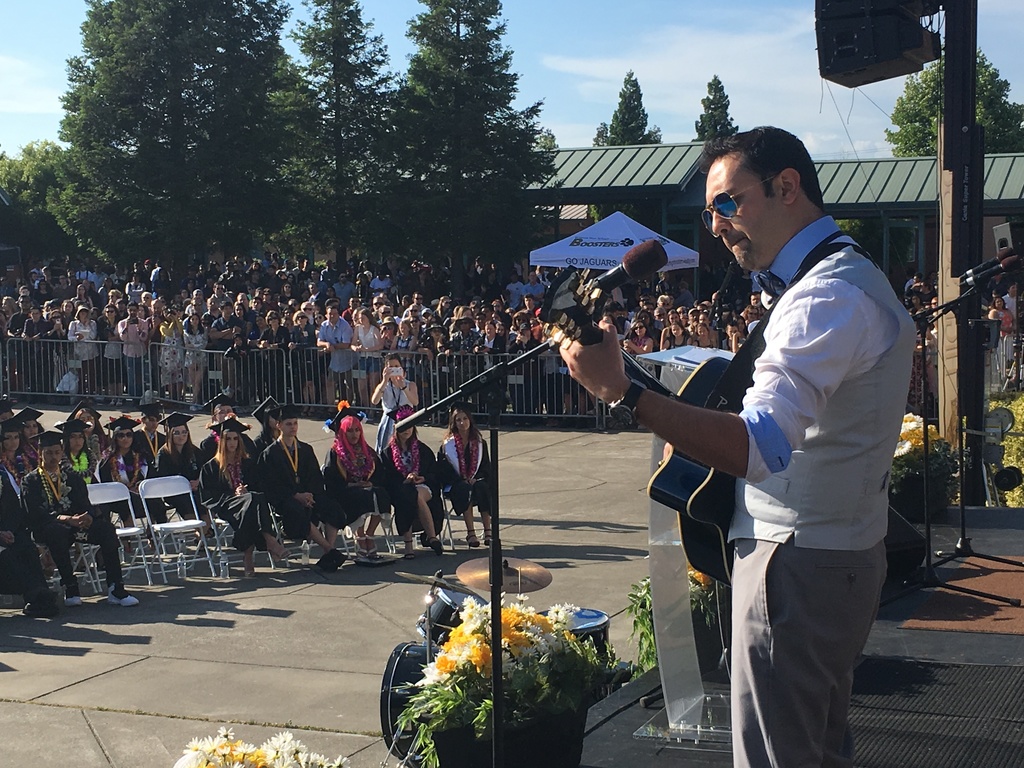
point(811, 447)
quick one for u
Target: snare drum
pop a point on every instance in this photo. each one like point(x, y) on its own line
point(404, 670)
point(445, 615)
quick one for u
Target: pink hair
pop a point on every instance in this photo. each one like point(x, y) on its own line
point(341, 444)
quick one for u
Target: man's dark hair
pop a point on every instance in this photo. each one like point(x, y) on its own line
point(765, 152)
point(336, 303)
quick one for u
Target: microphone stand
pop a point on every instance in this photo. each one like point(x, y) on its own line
point(491, 383)
point(927, 577)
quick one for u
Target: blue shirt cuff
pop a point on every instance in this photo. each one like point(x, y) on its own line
point(770, 439)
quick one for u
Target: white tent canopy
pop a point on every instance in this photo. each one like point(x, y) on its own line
point(602, 246)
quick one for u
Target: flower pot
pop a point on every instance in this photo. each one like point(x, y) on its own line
point(550, 741)
point(908, 499)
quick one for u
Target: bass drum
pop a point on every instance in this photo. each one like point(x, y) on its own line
point(404, 669)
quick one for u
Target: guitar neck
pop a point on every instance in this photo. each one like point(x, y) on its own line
point(636, 372)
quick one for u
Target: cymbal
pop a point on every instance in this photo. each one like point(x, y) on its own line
point(436, 581)
point(517, 575)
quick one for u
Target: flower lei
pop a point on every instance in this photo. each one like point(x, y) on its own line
point(467, 469)
point(81, 465)
point(17, 472)
point(396, 456)
point(349, 460)
point(122, 468)
point(235, 474)
point(30, 456)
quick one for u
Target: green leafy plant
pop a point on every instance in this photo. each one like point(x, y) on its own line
point(546, 671)
point(703, 601)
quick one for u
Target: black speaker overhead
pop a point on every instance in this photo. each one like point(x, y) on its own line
point(864, 41)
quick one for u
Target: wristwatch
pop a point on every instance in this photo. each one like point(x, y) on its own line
point(623, 410)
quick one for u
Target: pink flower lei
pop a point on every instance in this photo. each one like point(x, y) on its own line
point(467, 469)
point(414, 446)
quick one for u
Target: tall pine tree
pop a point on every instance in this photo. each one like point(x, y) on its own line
point(174, 138)
point(715, 120)
point(467, 153)
point(629, 121)
point(341, 156)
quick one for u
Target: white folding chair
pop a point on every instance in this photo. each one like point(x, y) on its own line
point(175, 532)
point(130, 537)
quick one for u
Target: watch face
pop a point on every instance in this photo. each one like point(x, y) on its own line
point(621, 416)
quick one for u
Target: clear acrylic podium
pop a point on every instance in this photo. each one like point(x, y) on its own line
point(691, 718)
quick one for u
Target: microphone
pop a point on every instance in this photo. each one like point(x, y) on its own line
point(1005, 261)
point(640, 261)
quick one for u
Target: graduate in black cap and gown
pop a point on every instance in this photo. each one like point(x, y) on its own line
point(228, 487)
point(124, 465)
point(20, 570)
point(221, 408)
point(6, 408)
point(77, 456)
point(149, 440)
point(410, 471)
point(57, 507)
point(269, 432)
point(354, 475)
point(28, 451)
point(291, 478)
point(10, 461)
point(178, 456)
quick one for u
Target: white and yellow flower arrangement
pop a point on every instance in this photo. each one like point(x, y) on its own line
point(280, 751)
point(546, 670)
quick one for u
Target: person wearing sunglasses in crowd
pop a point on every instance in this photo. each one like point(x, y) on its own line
point(811, 444)
point(56, 503)
point(124, 465)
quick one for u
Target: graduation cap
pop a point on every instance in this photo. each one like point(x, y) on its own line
point(461, 405)
point(51, 438)
point(282, 412)
point(176, 419)
point(71, 426)
point(220, 399)
point(152, 410)
point(264, 409)
point(29, 414)
point(6, 406)
point(344, 409)
point(11, 426)
point(85, 405)
point(230, 425)
point(123, 424)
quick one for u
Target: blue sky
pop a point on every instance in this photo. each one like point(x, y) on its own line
point(573, 55)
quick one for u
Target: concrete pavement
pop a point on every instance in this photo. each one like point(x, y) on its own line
point(129, 687)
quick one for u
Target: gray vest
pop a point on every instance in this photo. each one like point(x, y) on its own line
point(834, 493)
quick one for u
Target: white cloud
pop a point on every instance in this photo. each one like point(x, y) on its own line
point(768, 65)
point(24, 89)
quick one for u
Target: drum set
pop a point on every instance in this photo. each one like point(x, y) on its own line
point(441, 615)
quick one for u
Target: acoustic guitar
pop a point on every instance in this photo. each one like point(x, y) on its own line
point(703, 497)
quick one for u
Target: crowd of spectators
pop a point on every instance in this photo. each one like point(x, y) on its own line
point(297, 331)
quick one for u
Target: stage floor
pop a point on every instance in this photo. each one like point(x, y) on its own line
point(922, 698)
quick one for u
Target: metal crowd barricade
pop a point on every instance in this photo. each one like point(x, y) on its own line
point(539, 392)
point(187, 375)
point(58, 369)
